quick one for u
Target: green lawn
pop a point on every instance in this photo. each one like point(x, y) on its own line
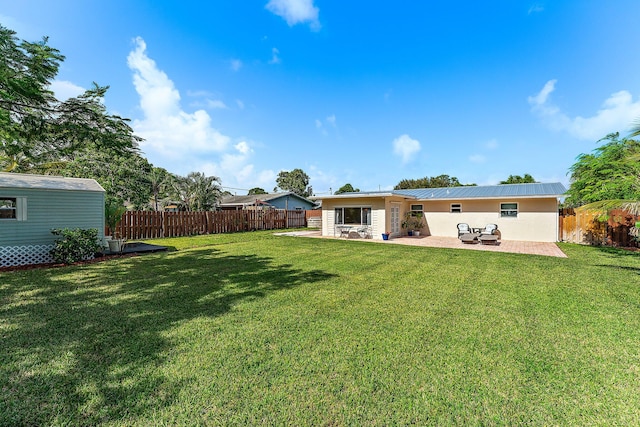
point(256, 329)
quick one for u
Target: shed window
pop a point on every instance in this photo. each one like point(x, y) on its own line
point(358, 215)
point(8, 208)
point(456, 208)
point(508, 210)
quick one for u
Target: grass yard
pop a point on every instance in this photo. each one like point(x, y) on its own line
point(262, 330)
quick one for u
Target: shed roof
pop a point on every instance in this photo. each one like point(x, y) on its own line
point(48, 182)
point(534, 190)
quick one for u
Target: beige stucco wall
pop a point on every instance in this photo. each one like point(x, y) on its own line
point(537, 219)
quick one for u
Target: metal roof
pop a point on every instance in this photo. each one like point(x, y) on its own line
point(554, 189)
point(48, 182)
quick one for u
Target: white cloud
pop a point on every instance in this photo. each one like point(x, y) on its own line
point(216, 103)
point(208, 102)
point(243, 148)
point(275, 56)
point(536, 8)
point(330, 120)
point(405, 147)
point(64, 90)
point(615, 115)
point(236, 64)
point(492, 144)
point(180, 141)
point(240, 104)
point(477, 158)
point(295, 12)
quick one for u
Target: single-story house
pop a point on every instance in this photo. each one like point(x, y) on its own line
point(287, 201)
point(32, 205)
point(527, 212)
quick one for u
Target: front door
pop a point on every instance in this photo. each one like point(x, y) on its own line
point(395, 219)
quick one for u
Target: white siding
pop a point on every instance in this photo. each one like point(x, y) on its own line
point(378, 217)
point(49, 209)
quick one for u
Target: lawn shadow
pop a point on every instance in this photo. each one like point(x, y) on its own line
point(619, 252)
point(84, 345)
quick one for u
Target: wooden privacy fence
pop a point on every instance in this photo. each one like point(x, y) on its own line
point(584, 228)
point(150, 225)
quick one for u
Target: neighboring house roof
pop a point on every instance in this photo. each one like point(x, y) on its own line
point(535, 190)
point(250, 200)
point(48, 182)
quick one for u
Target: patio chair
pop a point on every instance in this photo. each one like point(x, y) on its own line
point(489, 229)
point(489, 235)
point(364, 232)
point(463, 228)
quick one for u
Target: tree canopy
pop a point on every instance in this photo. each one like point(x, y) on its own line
point(197, 192)
point(295, 181)
point(517, 179)
point(125, 177)
point(611, 172)
point(37, 130)
point(256, 190)
point(439, 181)
point(347, 188)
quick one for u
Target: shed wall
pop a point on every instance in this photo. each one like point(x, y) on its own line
point(46, 210)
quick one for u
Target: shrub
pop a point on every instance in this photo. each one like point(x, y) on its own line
point(75, 245)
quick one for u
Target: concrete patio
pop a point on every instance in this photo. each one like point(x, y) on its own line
point(511, 246)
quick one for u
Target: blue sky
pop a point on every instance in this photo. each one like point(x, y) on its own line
point(360, 92)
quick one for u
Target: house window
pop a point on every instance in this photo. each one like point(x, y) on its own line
point(8, 208)
point(508, 210)
point(416, 208)
point(359, 215)
point(456, 208)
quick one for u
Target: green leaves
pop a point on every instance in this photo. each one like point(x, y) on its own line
point(75, 245)
point(611, 172)
point(197, 192)
point(429, 182)
point(36, 129)
point(517, 179)
point(295, 181)
point(347, 188)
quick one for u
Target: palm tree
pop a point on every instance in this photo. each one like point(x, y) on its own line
point(198, 192)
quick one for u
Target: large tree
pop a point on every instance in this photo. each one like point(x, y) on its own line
point(126, 177)
point(439, 181)
point(255, 191)
point(295, 181)
point(347, 188)
point(37, 131)
point(517, 179)
point(611, 172)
